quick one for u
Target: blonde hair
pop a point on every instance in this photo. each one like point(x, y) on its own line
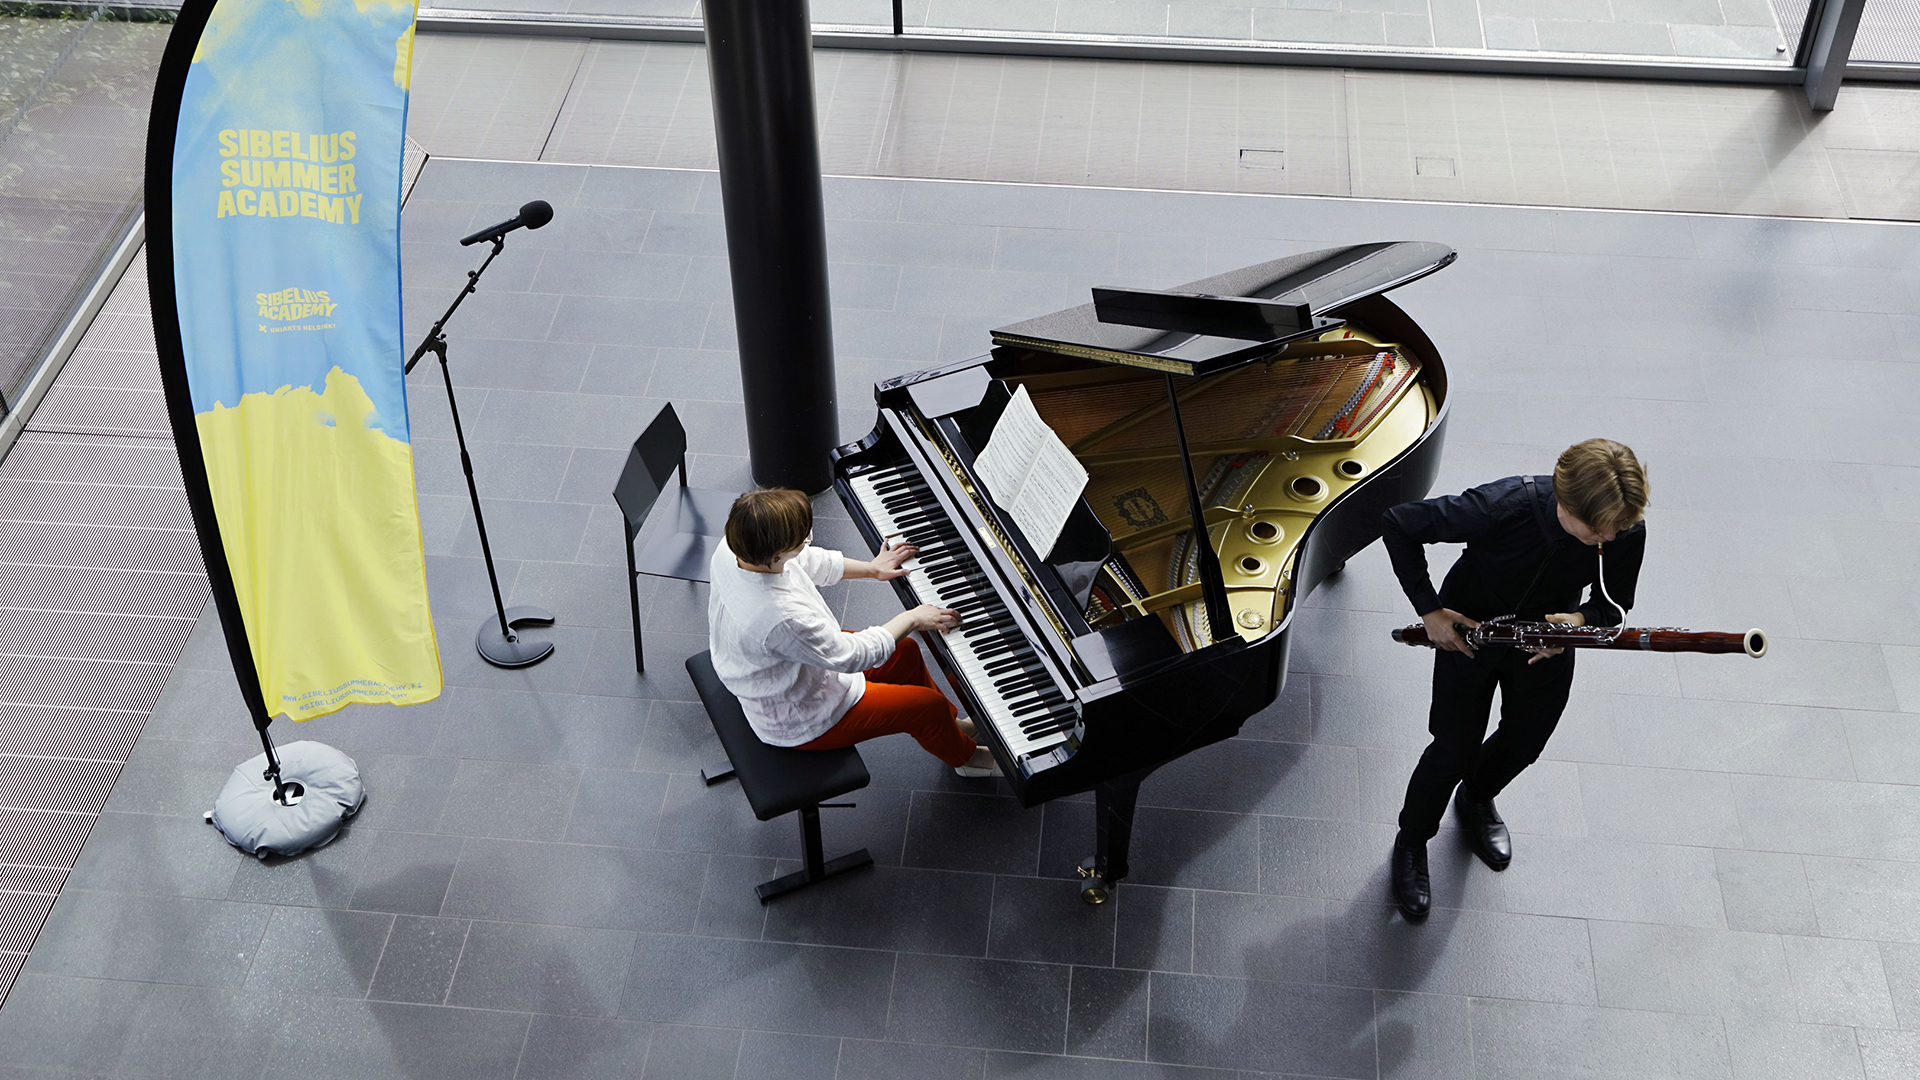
point(767, 523)
point(1601, 483)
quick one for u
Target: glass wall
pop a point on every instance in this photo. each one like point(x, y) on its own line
point(1675, 31)
point(1669, 30)
point(74, 95)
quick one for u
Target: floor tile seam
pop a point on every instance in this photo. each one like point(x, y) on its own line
point(35, 436)
point(241, 988)
point(143, 434)
point(1768, 704)
point(1371, 989)
point(1539, 207)
point(95, 525)
point(63, 813)
point(560, 109)
point(168, 664)
point(739, 1049)
point(1731, 773)
point(75, 708)
point(90, 484)
point(393, 920)
point(44, 624)
point(64, 384)
point(9, 755)
point(99, 614)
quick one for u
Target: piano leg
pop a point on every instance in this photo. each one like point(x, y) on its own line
point(1113, 831)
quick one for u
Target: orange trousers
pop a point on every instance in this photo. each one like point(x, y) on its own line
point(901, 698)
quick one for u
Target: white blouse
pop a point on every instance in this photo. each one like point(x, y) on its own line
point(778, 647)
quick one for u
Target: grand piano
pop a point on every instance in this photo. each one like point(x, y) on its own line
point(1241, 435)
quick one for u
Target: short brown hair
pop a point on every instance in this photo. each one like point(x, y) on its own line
point(765, 524)
point(1601, 483)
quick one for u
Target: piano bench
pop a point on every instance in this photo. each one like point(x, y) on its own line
point(781, 780)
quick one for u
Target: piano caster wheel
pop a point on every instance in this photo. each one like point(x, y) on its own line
point(1096, 891)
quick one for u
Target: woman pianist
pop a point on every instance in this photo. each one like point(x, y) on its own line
point(802, 680)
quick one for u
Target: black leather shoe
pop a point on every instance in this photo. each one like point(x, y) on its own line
point(1486, 832)
point(1411, 887)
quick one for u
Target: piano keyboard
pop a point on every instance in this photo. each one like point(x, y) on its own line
point(1029, 711)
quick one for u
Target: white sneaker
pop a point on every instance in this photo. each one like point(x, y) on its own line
point(975, 770)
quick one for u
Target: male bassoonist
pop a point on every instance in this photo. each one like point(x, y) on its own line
point(1533, 545)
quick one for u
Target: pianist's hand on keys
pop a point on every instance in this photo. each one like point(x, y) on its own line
point(927, 618)
point(889, 564)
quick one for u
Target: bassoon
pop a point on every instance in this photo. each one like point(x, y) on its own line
point(1547, 635)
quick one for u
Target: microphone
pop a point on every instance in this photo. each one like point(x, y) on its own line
point(531, 216)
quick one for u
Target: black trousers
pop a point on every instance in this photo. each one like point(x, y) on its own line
point(1532, 696)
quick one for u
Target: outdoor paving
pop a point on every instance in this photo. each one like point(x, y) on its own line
point(1716, 864)
point(1431, 136)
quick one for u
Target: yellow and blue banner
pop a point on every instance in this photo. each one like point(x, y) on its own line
point(273, 224)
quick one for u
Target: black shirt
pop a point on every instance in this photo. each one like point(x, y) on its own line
point(1519, 561)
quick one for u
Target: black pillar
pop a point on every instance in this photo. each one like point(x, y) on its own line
point(760, 54)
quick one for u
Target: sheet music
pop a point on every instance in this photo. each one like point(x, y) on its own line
point(1031, 473)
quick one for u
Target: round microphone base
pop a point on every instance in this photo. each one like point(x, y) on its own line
point(511, 649)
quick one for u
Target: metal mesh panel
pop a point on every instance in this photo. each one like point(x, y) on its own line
point(65, 784)
point(87, 684)
point(124, 332)
point(105, 411)
point(82, 459)
point(93, 636)
point(70, 547)
point(42, 837)
point(131, 301)
point(101, 734)
point(413, 158)
point(33, 879)
point(90, 504)
point(100, 584)
point(9, 968)
point(112, 368)
point(20, 917)
point(111, 591)
point(1793, 17)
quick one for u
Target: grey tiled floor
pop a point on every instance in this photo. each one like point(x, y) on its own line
point(1208, 127)
point(1716, 870)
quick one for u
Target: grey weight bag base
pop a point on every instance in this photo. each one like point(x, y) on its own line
point(251, 820)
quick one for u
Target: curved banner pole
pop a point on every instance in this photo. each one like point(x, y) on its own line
point(274, 155)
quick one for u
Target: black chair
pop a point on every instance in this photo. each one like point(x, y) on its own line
point(699, 521)
point(780, 780)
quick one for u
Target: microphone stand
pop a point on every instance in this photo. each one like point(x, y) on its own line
point(497, 642)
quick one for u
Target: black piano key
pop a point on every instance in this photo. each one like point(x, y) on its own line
point(1038, 732)
point(1015, 681)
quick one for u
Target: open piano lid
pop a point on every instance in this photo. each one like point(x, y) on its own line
point(1321, 281)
